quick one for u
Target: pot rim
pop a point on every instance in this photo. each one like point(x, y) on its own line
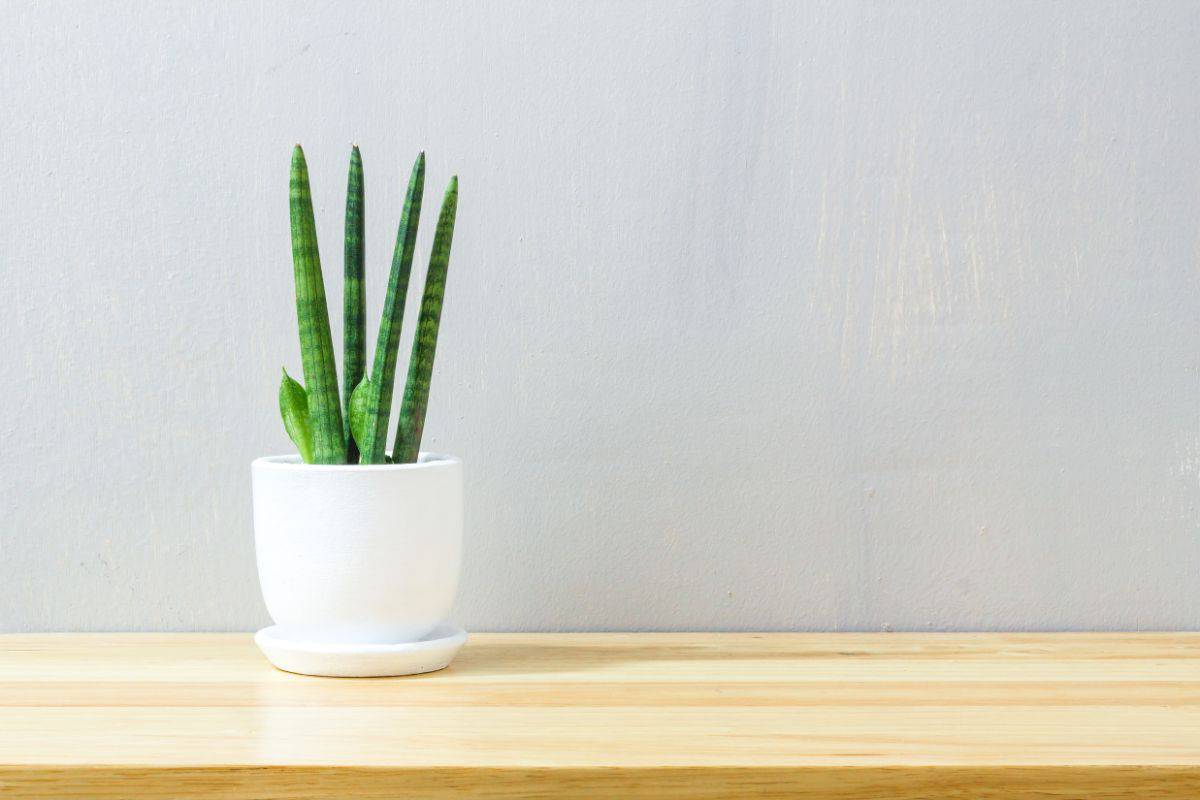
point(292, 462)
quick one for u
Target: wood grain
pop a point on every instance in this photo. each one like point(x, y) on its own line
point(611, 715)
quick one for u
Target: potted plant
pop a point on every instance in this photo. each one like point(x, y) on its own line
point(358, 547)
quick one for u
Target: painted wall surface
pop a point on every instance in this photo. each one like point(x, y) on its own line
point(761, 316)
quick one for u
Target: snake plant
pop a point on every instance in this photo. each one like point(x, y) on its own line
point(420, 364)
point(325, 429)
point(354, 303)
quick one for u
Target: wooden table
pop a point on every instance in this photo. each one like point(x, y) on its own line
point(870, 716)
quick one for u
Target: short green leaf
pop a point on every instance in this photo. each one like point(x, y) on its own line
point(293, 407)
point(361, 422)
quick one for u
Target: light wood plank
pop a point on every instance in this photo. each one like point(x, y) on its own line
point(611, 715)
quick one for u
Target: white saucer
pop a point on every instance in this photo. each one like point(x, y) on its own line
point(434, 652)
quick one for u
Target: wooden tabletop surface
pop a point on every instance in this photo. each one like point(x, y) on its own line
point(868, 716)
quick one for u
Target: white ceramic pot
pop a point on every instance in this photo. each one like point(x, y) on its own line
point(358, 554)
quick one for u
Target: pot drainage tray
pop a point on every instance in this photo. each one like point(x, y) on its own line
point(431, 653)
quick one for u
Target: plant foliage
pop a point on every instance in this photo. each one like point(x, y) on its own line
point(325, 430)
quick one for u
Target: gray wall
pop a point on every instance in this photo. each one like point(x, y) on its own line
point(811, 316)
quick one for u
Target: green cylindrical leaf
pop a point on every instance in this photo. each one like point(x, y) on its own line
point(420, 366)
point(312, 313)
point(378, 401)
point(354, 304)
